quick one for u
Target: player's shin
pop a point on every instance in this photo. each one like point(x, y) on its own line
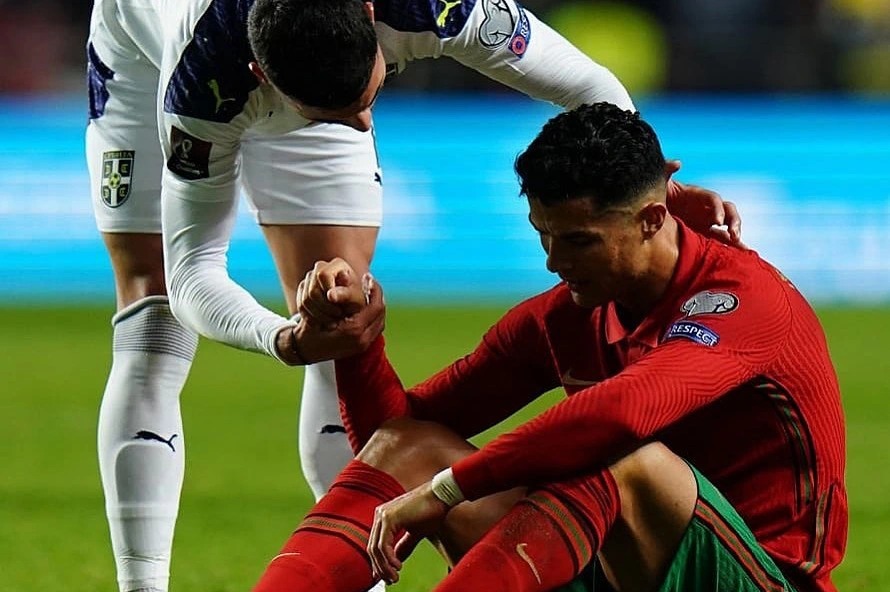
point(328, 551)
point(324, 448)
point(141, 446)
point(544, 542)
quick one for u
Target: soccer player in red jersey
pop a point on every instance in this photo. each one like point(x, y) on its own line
point(701, 445)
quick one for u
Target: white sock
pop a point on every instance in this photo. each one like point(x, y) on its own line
point(324, 449)
point(141, 445)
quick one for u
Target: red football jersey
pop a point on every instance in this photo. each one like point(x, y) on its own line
point(730, 370)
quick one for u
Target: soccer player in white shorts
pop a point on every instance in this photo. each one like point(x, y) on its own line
point(181, 115)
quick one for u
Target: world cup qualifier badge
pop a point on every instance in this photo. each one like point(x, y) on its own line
point(117, 176)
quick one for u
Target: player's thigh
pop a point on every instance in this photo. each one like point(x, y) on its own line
point(716, 552)
point(719, 551)
point(123, 151)
point(317, 193)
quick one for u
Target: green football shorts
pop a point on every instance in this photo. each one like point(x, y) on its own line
point(718, 553)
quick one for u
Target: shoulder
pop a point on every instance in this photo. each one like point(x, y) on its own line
point(211, 79)
point(491, 23)
point(747, 273)
point(444, 18)
point(737, 302)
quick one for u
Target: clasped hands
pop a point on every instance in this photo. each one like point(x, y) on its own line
point(341, 314)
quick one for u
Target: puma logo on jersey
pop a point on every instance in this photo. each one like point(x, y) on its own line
point(569, 380)
point(332, 429)
point(520, 550)
point(146, 435)
point(443, 16)
point(214, 88)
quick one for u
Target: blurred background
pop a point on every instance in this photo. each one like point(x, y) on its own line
point(783, 106)
point(655, 45)
point(780, 106)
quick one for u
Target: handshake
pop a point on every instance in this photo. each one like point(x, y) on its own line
point(341, 315)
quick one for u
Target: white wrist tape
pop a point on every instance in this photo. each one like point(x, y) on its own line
point(445, 488)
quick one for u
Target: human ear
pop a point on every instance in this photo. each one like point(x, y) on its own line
point(652, 217)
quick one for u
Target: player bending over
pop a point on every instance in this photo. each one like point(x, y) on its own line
point(701, 446)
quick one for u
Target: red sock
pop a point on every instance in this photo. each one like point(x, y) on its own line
point(328, 551)
point(543, 542)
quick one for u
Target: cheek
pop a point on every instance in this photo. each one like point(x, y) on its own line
point(599, 263)
point(607, 266)
point(624, 256)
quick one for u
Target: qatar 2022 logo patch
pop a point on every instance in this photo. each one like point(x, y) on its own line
point(189, 156)
point(117, 176)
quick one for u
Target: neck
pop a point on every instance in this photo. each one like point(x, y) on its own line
point(654, 277)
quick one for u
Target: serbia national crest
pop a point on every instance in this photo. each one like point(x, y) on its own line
point(117, 176)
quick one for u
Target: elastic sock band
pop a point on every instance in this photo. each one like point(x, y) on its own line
point(148, 325)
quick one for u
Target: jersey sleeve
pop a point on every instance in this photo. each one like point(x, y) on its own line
point(532, 58)
point(504, 41)
point(700, 358)
point(469, 396)
point(202, 295)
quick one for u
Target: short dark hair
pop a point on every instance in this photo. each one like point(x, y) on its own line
point(597, 151)
point(318, 52)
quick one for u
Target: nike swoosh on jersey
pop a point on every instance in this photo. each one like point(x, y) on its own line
point(520, 550)
point(569, 380)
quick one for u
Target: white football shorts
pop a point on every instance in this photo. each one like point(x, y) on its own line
point(318, 174)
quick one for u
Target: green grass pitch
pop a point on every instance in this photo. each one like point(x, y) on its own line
point(243, 491)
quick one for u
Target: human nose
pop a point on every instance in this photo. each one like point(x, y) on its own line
point(556, 261)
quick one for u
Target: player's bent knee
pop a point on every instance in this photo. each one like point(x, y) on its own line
point(412, 451)
point(658, 493)
point(646, 466)
point(654, 477)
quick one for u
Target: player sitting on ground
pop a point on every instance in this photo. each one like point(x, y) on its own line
point(701, 446)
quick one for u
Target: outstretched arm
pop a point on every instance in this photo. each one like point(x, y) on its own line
point(468, 396)
point(202, 295)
